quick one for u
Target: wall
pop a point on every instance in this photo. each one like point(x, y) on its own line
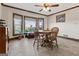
point(0, 10)
point(7, 14)
point(70, 27)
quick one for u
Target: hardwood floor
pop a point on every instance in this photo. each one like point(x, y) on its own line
point(24, 47)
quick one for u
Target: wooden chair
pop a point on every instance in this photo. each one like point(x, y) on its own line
point(53, 36)
point(38, 38)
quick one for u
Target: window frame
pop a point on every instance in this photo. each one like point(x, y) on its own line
point(14, 24)
point(43, 22)
point(23, 22)
point(36, 19)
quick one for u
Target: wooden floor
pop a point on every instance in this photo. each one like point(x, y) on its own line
point(24, 47)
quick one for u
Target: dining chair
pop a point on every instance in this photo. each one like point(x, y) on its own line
point(53, 36)
point(36, 38)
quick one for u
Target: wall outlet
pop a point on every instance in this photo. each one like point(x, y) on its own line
point(65, 35)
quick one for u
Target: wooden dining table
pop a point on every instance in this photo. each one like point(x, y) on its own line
point(45, 33)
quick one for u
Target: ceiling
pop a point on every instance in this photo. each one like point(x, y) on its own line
point(33, 8)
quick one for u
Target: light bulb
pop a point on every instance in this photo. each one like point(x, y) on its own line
point(46, 9)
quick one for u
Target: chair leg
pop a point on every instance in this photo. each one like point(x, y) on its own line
point(34, 42)
point(37, 43)
point(56, 43)
point(51, 45)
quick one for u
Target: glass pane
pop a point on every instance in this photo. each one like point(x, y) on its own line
point(41, 24)
point(17, 24)
point(30, 24)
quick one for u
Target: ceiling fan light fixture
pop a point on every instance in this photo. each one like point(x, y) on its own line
point(46, 9)
point(47, 6)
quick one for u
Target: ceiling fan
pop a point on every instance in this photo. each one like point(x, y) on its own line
point(47, 6)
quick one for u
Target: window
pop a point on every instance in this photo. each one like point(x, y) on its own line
point(17, 24)
point(30, 24)
point(41, 24)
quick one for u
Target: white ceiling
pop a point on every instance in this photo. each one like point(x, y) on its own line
point(33, 8)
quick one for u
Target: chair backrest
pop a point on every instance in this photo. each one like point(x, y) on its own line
point(36, 33)
point(55, 31)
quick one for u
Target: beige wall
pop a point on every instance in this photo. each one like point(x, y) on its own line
point(70, 27)
point(7, 14)
point(0, 11)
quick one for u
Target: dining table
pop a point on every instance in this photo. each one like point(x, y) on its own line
point(45, 34)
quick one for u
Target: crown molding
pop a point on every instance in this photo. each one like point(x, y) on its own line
point(22, 9)
point(65, 10)
point(39, 13)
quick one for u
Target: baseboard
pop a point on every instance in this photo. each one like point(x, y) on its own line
point(3, 54)
point(14, 38)
point(69, 38)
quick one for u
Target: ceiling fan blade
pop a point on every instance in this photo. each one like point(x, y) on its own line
point(56, 5)
point(38, 5)
point(40, 10)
